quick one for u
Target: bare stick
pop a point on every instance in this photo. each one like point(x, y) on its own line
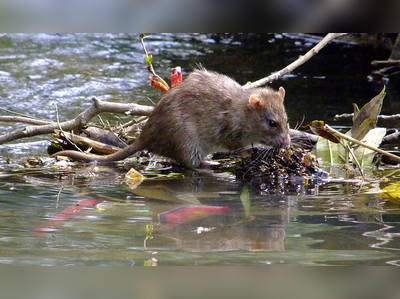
point(349, 117)
point(389, 61)
point(348, 138)
point(22, 118)
point(19, 114)
point(328, 38)
point(77, 123)
point(25, 120)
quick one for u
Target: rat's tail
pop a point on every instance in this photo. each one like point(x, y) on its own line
point(117, 156)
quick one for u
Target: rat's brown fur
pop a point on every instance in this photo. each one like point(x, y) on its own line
point(205, 113)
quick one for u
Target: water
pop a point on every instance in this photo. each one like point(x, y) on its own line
point(322, 223)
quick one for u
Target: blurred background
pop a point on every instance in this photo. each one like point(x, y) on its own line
point(185, 15)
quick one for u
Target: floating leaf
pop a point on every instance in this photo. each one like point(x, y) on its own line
point(391, 193)
point(366, 118)
point(133, 178)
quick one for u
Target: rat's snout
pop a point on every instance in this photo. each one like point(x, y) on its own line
point(283, 141)
point(286, 142)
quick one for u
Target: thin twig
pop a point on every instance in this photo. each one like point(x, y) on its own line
point(62, 131)
point(151, 101)
point(288, 69)
point(24, 120)
point(150, 65)
point(350, 150)
point(101, 121)
point(134, 121)
point(19, 114)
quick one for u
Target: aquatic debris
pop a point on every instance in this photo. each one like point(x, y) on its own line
point(279, 163)
point(33, 162)
point(267, 169)
point(133, 178)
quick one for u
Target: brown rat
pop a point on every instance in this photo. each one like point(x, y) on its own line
point(207, 112)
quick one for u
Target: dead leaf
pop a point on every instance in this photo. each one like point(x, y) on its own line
point(366, 118)
point(133, 178)
point(318, 128)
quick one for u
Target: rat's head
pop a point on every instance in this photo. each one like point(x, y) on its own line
point(268, 117)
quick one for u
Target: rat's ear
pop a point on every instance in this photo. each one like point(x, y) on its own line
point(282, 92)
point(255, 101)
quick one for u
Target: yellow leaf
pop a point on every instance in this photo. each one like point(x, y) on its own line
point(391, 193)
point(133, 178)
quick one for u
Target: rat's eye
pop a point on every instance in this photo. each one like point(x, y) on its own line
point(272, 124)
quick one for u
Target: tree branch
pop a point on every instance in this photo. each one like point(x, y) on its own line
point(393, 120)
point(389, 61)
point(328, 38)
point(77, 123)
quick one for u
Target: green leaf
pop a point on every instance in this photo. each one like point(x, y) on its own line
point(329, 151)
point(364, 122)
point(364, 128)
point(333, 152)
point(149, 59)
point(366, 156)
point(366, 118)
point(356, 112)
